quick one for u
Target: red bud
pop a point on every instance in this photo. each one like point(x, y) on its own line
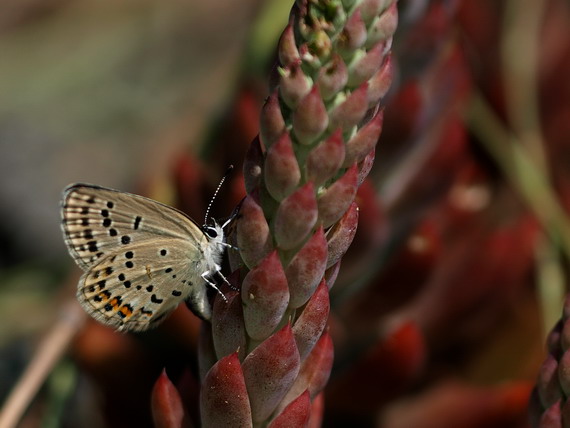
point(271, 123)
point(333, 77)
point(253, 239)
point(353, 35)
point(295, 217)
point(363, 68)
point(265, 297)
point(379, 84)
point(296, 414)
point(350, 112)
point(384, 26)
point(312, 321)
point(325, 160)
point(306, 269)
point(282, 172)
point(224, 398)
point(310, 119)
point(293, 85)
point(359, 146)
point(342, 234)
point(228, 329)
point(288, 53)
point(336, 199)
point(166, 405)
point(269, 371)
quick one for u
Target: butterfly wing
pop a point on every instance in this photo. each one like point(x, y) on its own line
point(141, 258)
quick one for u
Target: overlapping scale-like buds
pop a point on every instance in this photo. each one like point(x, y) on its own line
point(267, 354)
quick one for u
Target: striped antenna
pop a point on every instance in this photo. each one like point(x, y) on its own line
point(230, 168)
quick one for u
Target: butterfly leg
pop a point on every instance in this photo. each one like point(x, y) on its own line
point(206, 277)
point(233, 247)
point(226, 280)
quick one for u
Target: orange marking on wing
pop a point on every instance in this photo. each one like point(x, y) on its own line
point(126, 311)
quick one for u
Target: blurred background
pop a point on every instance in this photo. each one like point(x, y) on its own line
point(459, 267)
point(108, 93)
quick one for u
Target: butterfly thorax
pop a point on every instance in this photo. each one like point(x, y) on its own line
point(215, 248)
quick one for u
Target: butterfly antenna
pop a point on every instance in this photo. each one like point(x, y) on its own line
point(230, 168)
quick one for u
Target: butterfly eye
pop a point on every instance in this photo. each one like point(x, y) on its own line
point(211, 232)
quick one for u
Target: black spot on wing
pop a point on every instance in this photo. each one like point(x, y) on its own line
point(155, 299)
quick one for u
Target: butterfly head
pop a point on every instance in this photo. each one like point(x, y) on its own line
point(214, 233)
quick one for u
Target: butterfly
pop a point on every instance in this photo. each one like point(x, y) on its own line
point(140, 258)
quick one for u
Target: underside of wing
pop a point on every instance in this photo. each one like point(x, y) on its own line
point(96, 221)
point(135, 288)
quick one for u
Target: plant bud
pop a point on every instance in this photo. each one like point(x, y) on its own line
point(310, 119)
point(288, 53)
point(253, 238)
point(351, 111)
point(282, 174)
point(325, 160)
point(224, 398)
point(379, 84)
point(342, 234)
point(359, 146)
point(306, 269)
point(333, 77)
point(271, 124)
point(312, 321)
point(365, 66)
point(265, 297)
point(295, 217)
point(293, 85)
point(336, 199)
point(383, 27)
point(296, 414)
point(269, 371)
